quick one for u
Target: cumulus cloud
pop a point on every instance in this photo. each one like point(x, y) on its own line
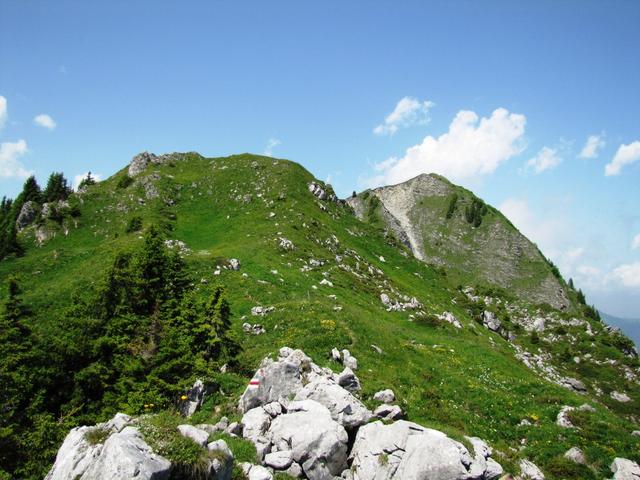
point(81, 176)
point(10, 165)
point(626, 155)
point(271, 144)
point(471, 148)
point(627, 274)
point(409, 111)
point(546, 159)
point(592, 146)
point(635, 243)
point(3, 112)
point(550, 232)
point(45, 121)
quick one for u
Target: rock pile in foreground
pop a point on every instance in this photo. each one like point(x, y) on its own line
point(300, 418)
point(305, 421)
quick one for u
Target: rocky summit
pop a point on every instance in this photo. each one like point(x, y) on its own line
point(446, 225)
point(144, 318)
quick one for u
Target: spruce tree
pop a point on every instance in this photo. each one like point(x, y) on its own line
point(57, 188)
point(86, 181)
point(31, 192)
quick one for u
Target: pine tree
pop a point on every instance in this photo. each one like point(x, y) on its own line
point(87, 181)
point(15, 379)
point(31, 192)
point(57, 188)
point(571, 284)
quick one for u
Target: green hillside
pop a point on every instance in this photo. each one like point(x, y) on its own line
point(261, 211)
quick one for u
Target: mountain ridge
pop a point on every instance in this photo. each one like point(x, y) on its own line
point(312, 276)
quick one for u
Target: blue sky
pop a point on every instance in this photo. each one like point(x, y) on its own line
point(501, 97)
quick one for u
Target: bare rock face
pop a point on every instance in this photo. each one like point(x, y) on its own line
point(27, 215)
point(140, 162)
point(416, 212)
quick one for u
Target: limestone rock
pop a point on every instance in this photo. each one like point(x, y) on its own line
point(255, 472)
point(405, 450)
point(348, 380)
point(384, 396)
point(575, 455)
point(197, 435)
point(318, 443)
point(279, 460)
point(195, 397)
point(620, 397)
point(274, 381)
point(624, 469)
point(562, 420)
point(221, 466)
point(349, 360)
point(388, 412)
point(255, 423)
point(530, 471)
point(140, 162)
point(490, 321)
point(27, 214)
point(345, 409)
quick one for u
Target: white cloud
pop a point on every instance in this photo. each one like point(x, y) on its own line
point(546, 159)
point(628, 275)
point(271, 144)
point(45, 121)
point(3, 112)
point(78, 178)
point(10, 166)
point(550, 232)
point(409, 111)
point(471, 148)
point(625, 155)
point(590, 149)
point(635, 243)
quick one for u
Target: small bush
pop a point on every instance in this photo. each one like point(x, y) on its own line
point(428, 320)
point(135, 224)
point(125, 181)
point(453, 200)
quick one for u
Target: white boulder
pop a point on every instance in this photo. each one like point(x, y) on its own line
point(624, 469)
point(318, 443)
point(384, 396)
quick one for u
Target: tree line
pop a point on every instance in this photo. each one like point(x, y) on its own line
point(139, 337)
point(57, 189)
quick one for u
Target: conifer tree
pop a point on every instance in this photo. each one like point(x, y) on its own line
point(31, 192)
point(86, 181)
point(57, 188)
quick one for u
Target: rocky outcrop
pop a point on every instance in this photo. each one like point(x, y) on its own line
point(140, 162)
point(194, 398)
point(415, 212)
point(406, 450)
point(27, 215)
point(123, 454)
point(530, 471)
point(298, 416)
point(624, 469)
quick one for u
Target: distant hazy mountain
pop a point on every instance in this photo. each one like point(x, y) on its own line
point(631, 327)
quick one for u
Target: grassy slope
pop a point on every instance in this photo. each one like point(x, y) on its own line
point(462, 381)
